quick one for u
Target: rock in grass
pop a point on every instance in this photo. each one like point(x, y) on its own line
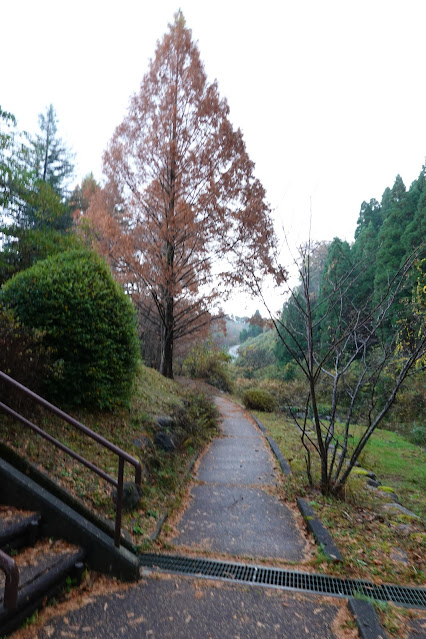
point(144, 443)
point(164, 421)
point(373, 483)
point(164, 441)
point(131, 495)
point(399, 556)
point(366, 473)
point(401, 509)
point(388, 491)
point(405, 529)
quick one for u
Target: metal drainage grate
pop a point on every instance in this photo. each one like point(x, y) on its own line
point(286, 579)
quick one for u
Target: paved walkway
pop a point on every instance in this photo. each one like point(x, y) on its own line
point(235, 506)
point(184, 608)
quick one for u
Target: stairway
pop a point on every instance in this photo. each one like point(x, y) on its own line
point(40, 550)
point(45, 566)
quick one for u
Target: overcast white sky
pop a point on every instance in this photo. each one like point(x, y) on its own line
point(329, 94)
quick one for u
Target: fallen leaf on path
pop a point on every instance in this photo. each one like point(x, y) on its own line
point(137, 622)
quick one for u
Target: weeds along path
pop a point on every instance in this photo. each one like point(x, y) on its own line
point(235, 505)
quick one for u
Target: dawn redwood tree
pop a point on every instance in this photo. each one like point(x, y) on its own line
point(181, 213)
point(79, 200)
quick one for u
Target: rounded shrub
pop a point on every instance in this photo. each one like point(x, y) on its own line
point(23, 357)
point(88, 324)
point(259, 399)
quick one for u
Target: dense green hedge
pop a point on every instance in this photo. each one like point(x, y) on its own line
point(23, 357)
point(88, 323)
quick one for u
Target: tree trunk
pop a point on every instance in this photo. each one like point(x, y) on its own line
point(167, 339)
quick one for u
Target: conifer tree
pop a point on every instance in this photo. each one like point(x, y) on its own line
point(36, 215)
point(181, 212)
point(364, 249)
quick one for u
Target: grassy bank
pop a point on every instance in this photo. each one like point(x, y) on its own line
point(133, 429)
point(378, 545)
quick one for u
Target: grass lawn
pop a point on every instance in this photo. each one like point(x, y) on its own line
point(399, 464)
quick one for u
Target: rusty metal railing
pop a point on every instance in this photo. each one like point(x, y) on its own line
point(122, 455)
point(10, 569)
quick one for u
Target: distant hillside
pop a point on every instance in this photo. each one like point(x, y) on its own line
point(256, 357)
point(234, 326)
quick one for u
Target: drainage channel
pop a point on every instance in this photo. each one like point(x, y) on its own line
point(286, 579)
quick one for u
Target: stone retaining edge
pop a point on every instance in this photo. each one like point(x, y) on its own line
point(366, 619)
point(285, 466)
point(321, 534)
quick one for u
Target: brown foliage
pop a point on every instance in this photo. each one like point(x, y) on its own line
point(81, 195)
point(181, 214)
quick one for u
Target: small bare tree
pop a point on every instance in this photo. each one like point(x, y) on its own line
point(354, 347)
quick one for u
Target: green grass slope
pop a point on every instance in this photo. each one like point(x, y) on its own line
point(132, 429)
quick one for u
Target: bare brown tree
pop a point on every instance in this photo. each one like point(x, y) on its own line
point(181, 214)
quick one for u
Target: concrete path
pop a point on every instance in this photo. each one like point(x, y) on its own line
point(186, 608)
point(235, 509)
point(235, 505)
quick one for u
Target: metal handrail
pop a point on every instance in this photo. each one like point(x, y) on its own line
point(122, 455)
point(10, 569)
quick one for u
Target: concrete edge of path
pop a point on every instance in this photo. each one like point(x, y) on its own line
point(315, 526)
point(321, 534)
point(285, 466)
point(366, 619)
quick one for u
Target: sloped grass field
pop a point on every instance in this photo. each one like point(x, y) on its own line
point(132, 429)
point(387, 547)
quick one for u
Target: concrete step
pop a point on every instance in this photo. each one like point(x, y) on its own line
point(18, 527)
point(45, 566)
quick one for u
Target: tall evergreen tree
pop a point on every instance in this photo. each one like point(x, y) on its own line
point(415, 230)
point(51, 162)
point(396, 216)
point(15, 176)
point(291, 323)
point(364, 249)
point(7, 122)
point(369, 215)
point(338, 273)
point(33, 186)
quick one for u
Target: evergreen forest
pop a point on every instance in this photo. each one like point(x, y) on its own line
point(388, 234)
